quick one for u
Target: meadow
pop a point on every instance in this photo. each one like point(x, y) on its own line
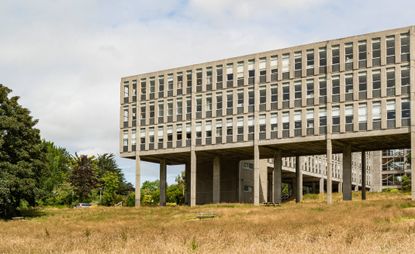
point(385, 223)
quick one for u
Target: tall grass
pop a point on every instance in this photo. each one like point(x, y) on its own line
point(385, 223)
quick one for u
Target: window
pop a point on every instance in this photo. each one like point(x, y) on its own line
point(229, 127)
point(142, 136)
point(208, 102)
point(170, 108)
point(297, 90)
point(362, 113)
point(251, 97)
point(160, 134)
point(390, 109)
point(335, 50)
point(362, 51)
point(199, 75)
point(376, 52)
point(285, 121)
point(199, 103)
point(208, 129)
point(229, 99)
point(323, 117)
point(251, 69)
point(126, 90)
point(335, 112)
point(349, 114)
point(390, 49)
point(297, 61)
point(151, 110)
point(240, 71)
point(240, 99)
point(262, 95)
point(349, 83)
point(161, 85)
point(170, 82)
point(125, 138)
point(219, 101)
point(273, 121)
point(198, 129)
point(405, 76)
point(262, 69)
point(250, 124)
point(285, 63)
point(169, 133)
point(161, 109)
point(125, 115)
point(274, 93)
point(297, 119)
point(390, 78)
point(310, 118)
point(179, 132)
point(322, 87)
point(143, 88)
point(208, 75)
point(152, 87)
point(404, 47)
point(229, 72)
point(189, 105)
point(336, 85)
point(274, 68)
point(151, 135)
point(143, 111)
point(376, 79)
point(262, 124)
point(179, 80)
point(376, 114)
point(362, 82)
point(348, 54)
point(219, 73)
point(134, 114)
point(218, 128)
point(310, 59)
point(285, 92)
point(240, 125)
point(179, 106)
point(188, 131)
point(310, 88)
point(323, 56)
point(406, 110)
point(189, 80)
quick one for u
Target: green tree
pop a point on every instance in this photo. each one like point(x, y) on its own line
point(406, 183)
point(83, 177)
point(111, 183)
point(150, 192)
point(175, 194)
point(21, 155)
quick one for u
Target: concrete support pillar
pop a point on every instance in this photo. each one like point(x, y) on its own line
point(412, 99)
point(163, 182)
point(329, 173)
point(193, 178)
point(276, 197)
point(216, 180)
point(137, 181)
point(256, 175)
point(299, 176)
point(347, 172)
point(363, 175)
point(340, 187)
point(321, 186)
point(187, 184)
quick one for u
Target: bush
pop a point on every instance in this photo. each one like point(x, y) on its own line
point(130, 200)
point(406, 184)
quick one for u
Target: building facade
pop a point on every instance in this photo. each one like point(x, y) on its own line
point(338, 96)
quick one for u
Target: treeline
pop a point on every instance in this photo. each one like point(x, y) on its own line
point(150, 192)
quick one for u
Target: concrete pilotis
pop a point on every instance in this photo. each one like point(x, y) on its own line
point(363, 175)
point(340, 187)
point(137, 181)
point(347, 172)
point(299, 176)
point(216, 180)
point(192, 178)
point(187, 184)
point(329, 173)
point(321, 186)
point(163, 176)
point(277, 177)
point(256, 175)
point(412, 105)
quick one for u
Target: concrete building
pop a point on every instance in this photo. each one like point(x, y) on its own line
point(338, 96)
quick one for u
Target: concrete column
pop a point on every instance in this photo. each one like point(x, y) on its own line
point(256, 175)
point(137, 181)
point(340, 187)
point(321, 186)
point(163, 182)
point(187, 184)
point(193, 178)
point(216, 180)
point(276, 197)
point(299, 176)
point(329, 173)
point(412, 98)
point(347, 172)
point(363, 175)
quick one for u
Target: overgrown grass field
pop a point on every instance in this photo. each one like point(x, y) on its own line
point(385, 223)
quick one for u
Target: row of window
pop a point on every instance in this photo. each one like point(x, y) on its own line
point(309, 89)
point(226, 72)
point(299, 118)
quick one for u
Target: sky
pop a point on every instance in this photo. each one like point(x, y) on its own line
point(65, 59)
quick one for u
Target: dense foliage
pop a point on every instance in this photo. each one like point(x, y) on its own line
point(150, 192)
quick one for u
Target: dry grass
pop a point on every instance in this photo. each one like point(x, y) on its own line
point(383, 224)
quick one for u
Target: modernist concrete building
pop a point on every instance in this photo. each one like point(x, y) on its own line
point(337, 96)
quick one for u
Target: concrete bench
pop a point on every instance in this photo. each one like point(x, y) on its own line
point(202, 216)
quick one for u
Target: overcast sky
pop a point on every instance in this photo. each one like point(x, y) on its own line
point(65, 58)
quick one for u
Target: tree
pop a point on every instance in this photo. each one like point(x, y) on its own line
point(83, 177)
point(175, 194)
point(111, 183)
point(406, 183)
point(150, 192)
point(21, 155)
